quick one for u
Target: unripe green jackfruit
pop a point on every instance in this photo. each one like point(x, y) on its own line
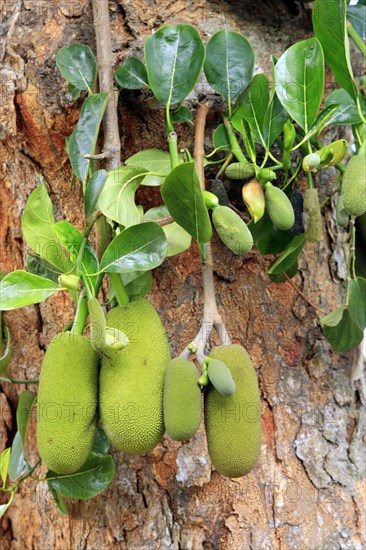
point(233, 424)
point(220, 377)
point(182, 400)
point(232, 230)
point(313, 215)
point(354, 186)
point(279, 208)
point(240, 171)
point(341, 214)
point(67, 403)
point(132, 379)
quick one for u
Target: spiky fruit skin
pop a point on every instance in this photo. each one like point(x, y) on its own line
point(354, 186)
point(182, 400)
point(132, 379)
point(279, 208)
point(233, 424)
point(67, 403)
point(232, 230)
point(313, 216)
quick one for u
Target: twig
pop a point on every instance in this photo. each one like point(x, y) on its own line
point(161, 221)
point(303, 295)
point(99, 156)
point(211, 317)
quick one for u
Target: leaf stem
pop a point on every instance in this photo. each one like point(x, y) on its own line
point(173, 149)
point(235, 147)
point(356, 38)
point(119, 289)
point(81, 315)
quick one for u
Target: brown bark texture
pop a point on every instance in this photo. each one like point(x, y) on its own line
point(308, 490)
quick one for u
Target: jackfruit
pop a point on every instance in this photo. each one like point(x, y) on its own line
point(132, 379)
point(232, 230)
point(313, 215)
point(279, 207)
point(354, 186)
point(253, 197)
point(233, 424)
point(240, 171)
point(67, 403)
point(341, 214)
point(220, 377)
point(182, 400)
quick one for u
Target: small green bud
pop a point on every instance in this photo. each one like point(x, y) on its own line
point(240, 171)
point(311, 162)
point(211, 200)
point(71, 282)
point(203, 379)
point(266, 174)
point(289, 135)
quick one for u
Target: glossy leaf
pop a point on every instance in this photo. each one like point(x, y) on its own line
point(289, 256)
point(221, 139)
point(140, 286)
point(101, 442)
point(273, 122)
point(300, 81)
point(151, 160)
point(39, 266)
point(132, 74)
point(17, 463)
point(117, 199)
point(182, 114)
point(174, 56)
point(84, 137)
point(273, 241)
point(340, 330)
point(60, 503)
point(4, 464)
point(253, 106)
point(6, 354)
point(183, 197)
point(321, 121)
point(24, 410)
point(93, 190)
point(156, 213)
point(37, 222)
point(19, 289)
point(347, 112)
point(178, 239)
point(91, 480)
point(229, 63)
point(138, 248)
point(78, 65)
point(74, 92)
point(329, 23)
point(357, 302)
point(356, 15)
point(290, 272)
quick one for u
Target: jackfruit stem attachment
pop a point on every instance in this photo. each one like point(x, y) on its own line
point(211, 317)
point(203, 379)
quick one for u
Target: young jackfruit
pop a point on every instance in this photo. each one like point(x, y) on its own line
point(67, 403)
point(233, 424)
point(313, 215)
point(354, 186)
point(279, 207)
point(232, 230)
point(131, 379)
point(220, 377)
point(182, 400)
point(341, 214)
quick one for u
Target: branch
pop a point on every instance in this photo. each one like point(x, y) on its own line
point(211, 317)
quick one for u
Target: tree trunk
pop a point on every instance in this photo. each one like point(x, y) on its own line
point(308, 488)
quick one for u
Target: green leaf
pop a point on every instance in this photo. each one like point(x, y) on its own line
point(347, 112)
point(72, 240)
point(221, 139)
point(340, 330)
point(4, 507)
point(182, 114)
point(229, 63)
point(253, 106)
point(356, 15)
point(274, 120)
point(183, 197)
point(24, 410)
point(245, 130)
point(288, 258)
point(117, 199)
point(300, 81)
point(17, 463)
point(151, 160)
point(60, 503)
point(321, 121)
point(83, 140)
point(156, 213)
point(290, 272)
point(140, 286)
point(78, 65)
point(74, 92)
point(273, 241)
point(91, 480)
point(174, 57)
point(37, 224)
point(39, 266)
point(178, 239)
point(19, 289)
point(132, 74)
point(4, 464)
point(329, 22)
point(101, 442)
point(357, 302)
point(6, 356)
point(93, 190)
point(138, 248)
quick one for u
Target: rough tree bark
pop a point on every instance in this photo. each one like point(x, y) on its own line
point(307, 491)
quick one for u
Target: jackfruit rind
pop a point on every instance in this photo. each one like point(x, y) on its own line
point(313, 215)
point(182, 400)
point(279, 208)
point(232, 230)
point(132, 379)
point(233, 424)
point(67, 403)
point(354, 186)
point(220, 377)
